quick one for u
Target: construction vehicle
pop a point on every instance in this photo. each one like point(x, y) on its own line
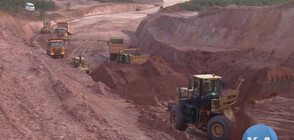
point(47, 28)
point(66, 26)
point(80, 62)
point(203, 105)
point(132, 56)
point(56, 47)
point(160, 8)
point(116, 44)
point(138, 8)
point(61, 33)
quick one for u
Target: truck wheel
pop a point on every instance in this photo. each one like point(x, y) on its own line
point(218, 128)
point(177, 118)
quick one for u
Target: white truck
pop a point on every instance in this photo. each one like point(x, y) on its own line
point(30, 6)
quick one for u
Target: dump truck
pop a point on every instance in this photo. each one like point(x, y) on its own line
point(204, 105)
point(132, 56)
point(56, 47)
point(47, 28)
point(80, 62)
point(66, 26)
point(116, 44)
point(61, 33)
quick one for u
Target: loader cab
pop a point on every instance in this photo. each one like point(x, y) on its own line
point(204, 88)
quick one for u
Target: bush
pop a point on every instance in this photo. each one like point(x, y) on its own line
point(197, 5)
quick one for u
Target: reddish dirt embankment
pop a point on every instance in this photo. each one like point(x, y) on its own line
point(19, 26)
point(261, 28)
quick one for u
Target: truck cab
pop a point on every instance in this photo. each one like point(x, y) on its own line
point(56, 47)
point(30, 6)
point(60, 33)
point(116, 44)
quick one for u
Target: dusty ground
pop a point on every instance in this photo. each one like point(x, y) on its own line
point(45, 98)
point(55, 101)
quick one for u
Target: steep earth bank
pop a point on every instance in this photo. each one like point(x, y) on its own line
point(261, 28)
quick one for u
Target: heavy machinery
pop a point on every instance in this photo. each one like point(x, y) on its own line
point(47, 28)
point(56, 47)
point(132, 56)
point(80, 62)
point(138, 8)
point(61, 33)
point(160, 8)
point(116, 44)
point(204, 105)
point(66, 26)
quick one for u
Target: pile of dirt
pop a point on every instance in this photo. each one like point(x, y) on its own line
point(149, 86)
point(152, 83)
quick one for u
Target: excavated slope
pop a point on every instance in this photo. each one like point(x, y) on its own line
point(262, 28)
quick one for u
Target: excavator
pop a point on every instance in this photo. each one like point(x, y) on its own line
point(204, 105)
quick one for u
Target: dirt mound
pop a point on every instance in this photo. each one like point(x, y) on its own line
point(149, 86)
point(144, 84)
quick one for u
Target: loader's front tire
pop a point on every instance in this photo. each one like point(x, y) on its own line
point(218, 128)
point(177, 118)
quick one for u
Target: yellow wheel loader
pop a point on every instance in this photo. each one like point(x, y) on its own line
point(203, 105)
